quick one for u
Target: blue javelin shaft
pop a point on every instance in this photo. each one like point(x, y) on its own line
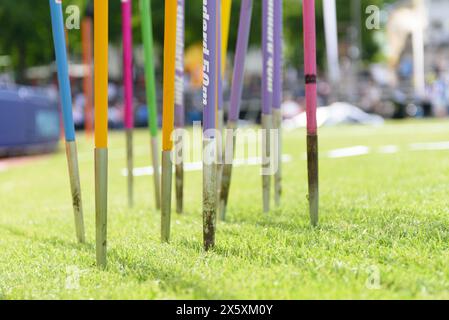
point(63, 68)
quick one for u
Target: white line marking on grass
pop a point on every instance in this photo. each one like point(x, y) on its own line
point(348, 152)
point(332, 154)
point(387, 149)
point(198, 166)
point(390, 149)
point(428, 146)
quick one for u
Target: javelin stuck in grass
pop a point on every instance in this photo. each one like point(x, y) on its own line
point(311, 101)
point(128, 91)
point(220, 111)
point(66, 102)
point(235, 102)
point(267, 97)
point(277, 99)
point(101, 127)
point(225, 18)
point(179, 107)
point(211, 28)
point(150, 83)
point(168, 115)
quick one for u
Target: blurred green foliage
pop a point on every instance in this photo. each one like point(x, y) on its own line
point(25, 28)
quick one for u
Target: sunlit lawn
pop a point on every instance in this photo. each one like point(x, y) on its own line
point(383, 233)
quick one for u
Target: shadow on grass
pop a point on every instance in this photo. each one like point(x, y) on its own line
point(220, 250)
point(284, 223)
point(141, 269)
point(170, 274)
point(192, 245)
point(53, 241)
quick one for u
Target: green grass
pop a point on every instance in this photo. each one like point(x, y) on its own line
point(385, 213)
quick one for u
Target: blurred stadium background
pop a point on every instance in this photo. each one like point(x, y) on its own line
point(378, 67)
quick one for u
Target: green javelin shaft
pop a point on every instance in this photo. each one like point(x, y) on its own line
point(147, 31)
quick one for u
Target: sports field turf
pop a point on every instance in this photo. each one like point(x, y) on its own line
point(383, 232)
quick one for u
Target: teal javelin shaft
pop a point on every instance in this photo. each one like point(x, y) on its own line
point(147, 33)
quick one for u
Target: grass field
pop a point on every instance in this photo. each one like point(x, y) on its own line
point(383, 233)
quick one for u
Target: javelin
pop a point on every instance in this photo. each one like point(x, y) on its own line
point(311, 101)
point(235, 102)
point(69, 127)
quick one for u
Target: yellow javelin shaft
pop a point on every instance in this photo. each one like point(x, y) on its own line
point(101, 73)
point(226, 6)
point(168, 108)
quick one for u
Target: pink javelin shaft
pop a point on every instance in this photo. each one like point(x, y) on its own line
point(310, 64)
point(127, 63)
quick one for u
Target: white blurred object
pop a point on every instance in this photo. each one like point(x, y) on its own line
point(290, 109)
point(335, 114)
point(331, 33)
point(405, 21)
point(381, 74)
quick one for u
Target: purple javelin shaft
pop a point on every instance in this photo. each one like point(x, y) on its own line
point(239, 60)
point(219, 54)
point(210, 64)
point(278, 38)
point(179, 76)
point(267, 51)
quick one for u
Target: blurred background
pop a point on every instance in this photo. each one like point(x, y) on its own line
point(390, 60)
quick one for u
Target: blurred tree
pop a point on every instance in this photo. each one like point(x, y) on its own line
point(25, 33)
point(25, 29)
